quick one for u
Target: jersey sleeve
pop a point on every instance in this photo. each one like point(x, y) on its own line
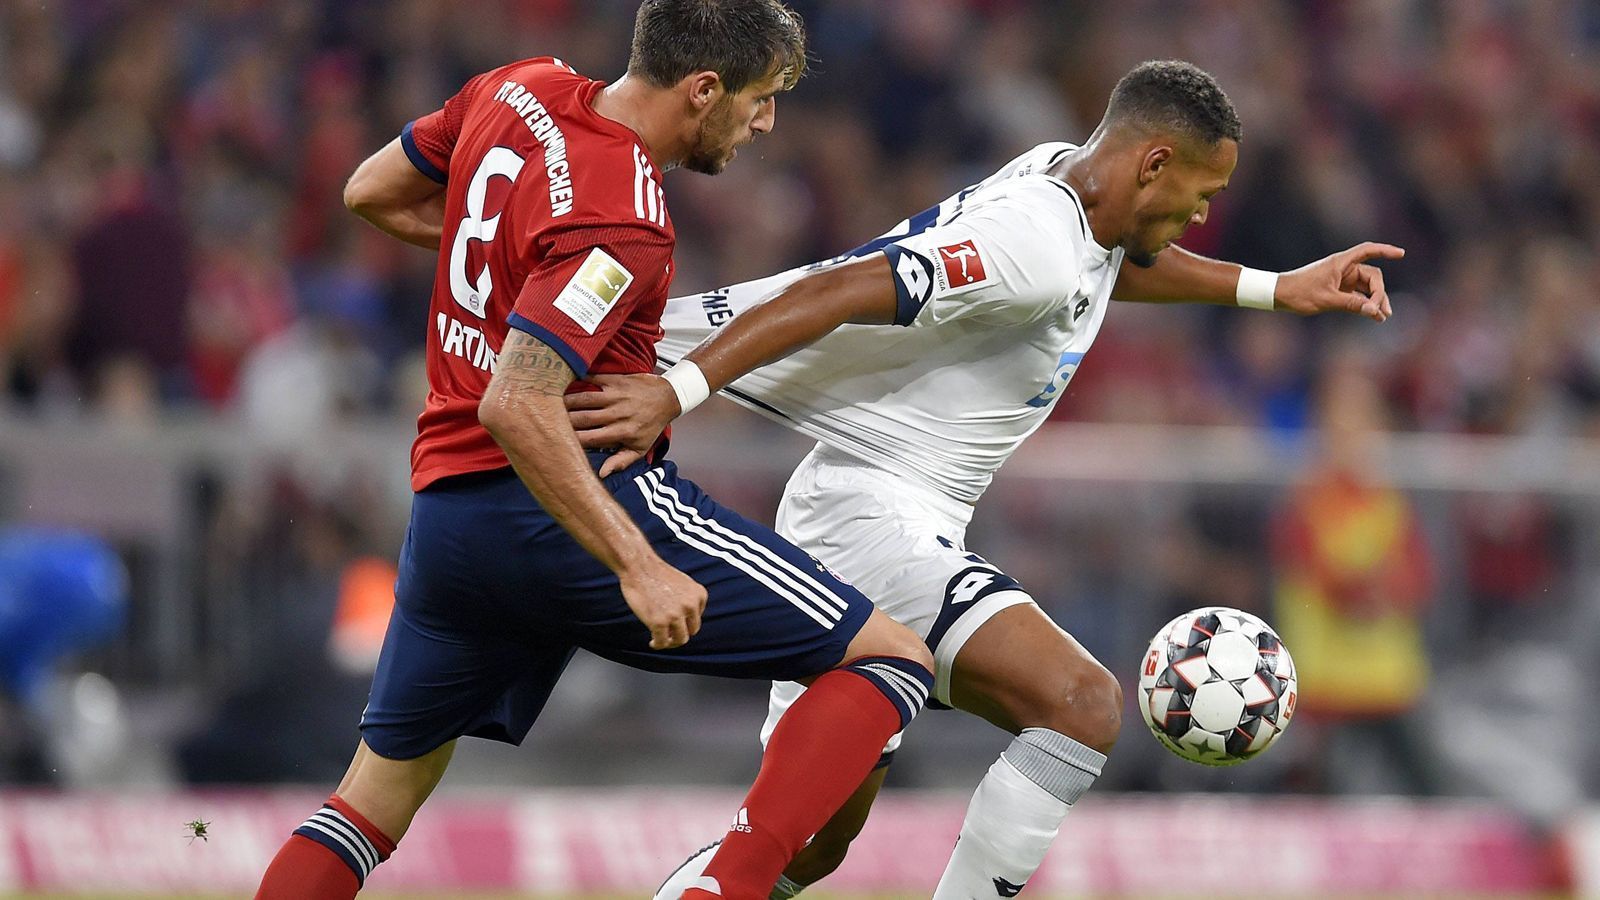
point(1008, 261)
point(587, 283)
point(430, 140)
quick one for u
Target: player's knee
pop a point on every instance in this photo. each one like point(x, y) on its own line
point(917, 652)
point(897, 640)
point(1084, 704)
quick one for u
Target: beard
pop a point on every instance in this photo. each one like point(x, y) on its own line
point(713, 146)
point(706, 162)
point(1142, 260)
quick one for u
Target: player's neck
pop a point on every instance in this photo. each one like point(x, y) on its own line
point(1088, 170)
point(651, 112)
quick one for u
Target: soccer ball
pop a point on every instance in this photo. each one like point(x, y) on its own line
point(1217, 686)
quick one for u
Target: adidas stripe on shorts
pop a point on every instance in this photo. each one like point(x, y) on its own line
point(494, 597)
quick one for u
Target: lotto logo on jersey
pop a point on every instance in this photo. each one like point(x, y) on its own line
point(914, 274)
point(961, 266)
point(593, 290)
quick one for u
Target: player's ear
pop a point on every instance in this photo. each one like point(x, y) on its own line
point(1155, 161)
point(703, 89)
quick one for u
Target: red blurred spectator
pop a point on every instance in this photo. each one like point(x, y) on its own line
point(1354, 578)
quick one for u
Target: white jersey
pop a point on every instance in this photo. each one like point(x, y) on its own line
point(1001, 289)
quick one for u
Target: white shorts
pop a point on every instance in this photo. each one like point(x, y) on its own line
point(902, 544)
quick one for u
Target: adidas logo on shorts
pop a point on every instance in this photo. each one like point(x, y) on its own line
point(741, 822)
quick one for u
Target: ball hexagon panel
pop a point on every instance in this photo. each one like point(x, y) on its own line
point(1217, 707)
point(1233, 655)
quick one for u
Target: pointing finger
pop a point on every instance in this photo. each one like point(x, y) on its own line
point(1375, 250)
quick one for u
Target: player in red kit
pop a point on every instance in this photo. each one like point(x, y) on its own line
point(541, 190)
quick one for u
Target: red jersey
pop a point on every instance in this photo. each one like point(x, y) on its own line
point(554, 224)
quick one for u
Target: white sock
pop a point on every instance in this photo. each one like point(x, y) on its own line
point(1015, 814)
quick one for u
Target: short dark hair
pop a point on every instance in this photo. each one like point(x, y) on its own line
point(740, 40)
point(1176, 97)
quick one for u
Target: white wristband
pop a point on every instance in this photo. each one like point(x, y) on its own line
point(689, 383)
point(1256, 288)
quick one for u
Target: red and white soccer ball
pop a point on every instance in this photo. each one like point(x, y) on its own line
point(1217, 686)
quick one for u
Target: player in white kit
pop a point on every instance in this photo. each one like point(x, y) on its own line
point(920, 361)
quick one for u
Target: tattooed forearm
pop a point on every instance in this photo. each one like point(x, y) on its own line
point(529, 364)
point(523, 411)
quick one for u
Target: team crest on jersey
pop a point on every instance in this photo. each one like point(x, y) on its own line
point(594, 290)
point(961, 267)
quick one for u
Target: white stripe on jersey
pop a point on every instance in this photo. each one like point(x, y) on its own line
point(649, 203)
point(638, 183)
point(709, 538)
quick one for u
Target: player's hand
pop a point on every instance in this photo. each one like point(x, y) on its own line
point(667, 601)
point(629, 411)
point(1344, 281)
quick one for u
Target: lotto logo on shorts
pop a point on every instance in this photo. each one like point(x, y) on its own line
point(963, 265)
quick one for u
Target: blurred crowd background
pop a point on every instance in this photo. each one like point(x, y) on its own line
point(190, 319)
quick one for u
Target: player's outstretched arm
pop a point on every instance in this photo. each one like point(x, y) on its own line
point(859, 293)
point(388, 191)
point(1345, 281)
point(630, 411)
point(523, 410)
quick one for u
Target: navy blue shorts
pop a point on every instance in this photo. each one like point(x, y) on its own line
point(494, 597)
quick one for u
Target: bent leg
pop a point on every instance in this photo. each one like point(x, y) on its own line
point(819, 754)
point(819, 858)
point(1021, 672)
point(827, 850)
point(772, 612)
point(830, 846)
point(390, 791)
point(330, 856)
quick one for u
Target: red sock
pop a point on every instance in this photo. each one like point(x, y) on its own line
point(822, 749)
point(304, 868)
point(327, 858)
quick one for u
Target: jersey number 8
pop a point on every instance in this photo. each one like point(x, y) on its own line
point(471, 292)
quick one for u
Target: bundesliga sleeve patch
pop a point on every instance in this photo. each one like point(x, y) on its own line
point(593, 290)
point(961, 267)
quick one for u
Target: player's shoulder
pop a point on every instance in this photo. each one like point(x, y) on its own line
point(1035, 203)
point(606, 175)
point(540, 71)
point(618, 184)
point(1037, 158)
point(1029, 231)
